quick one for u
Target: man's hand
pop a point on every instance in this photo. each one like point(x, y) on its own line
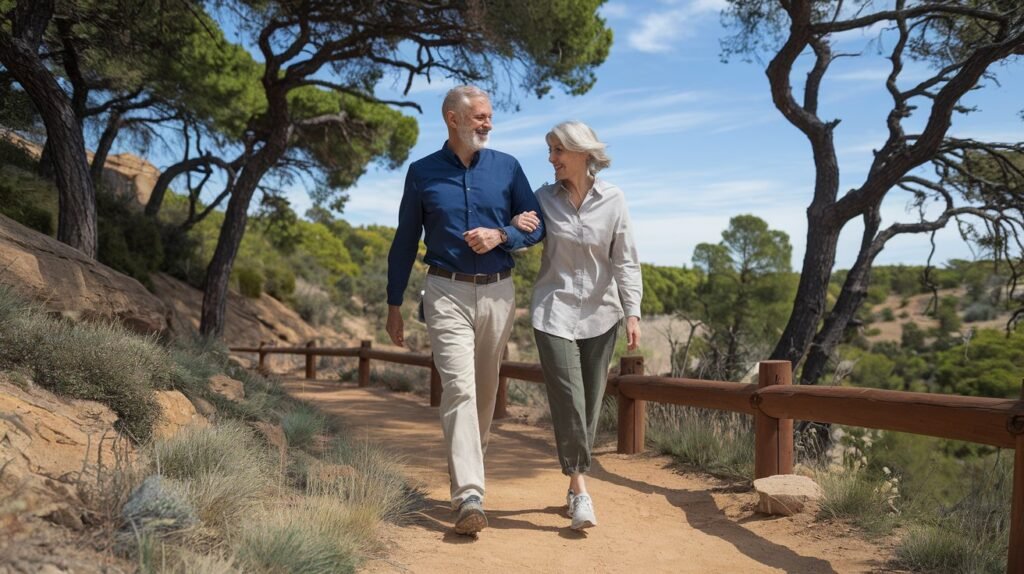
point(632, 333)
point(481, 240)
point(395, 325)
point(526, 221)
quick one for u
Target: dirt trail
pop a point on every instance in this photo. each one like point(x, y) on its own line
point(652, 518)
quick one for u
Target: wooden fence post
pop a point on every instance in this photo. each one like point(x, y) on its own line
point(1015, 558)
point(773, 438)
point(311, 361)
point(501, 401)
point(435, 384)
point(632, 413)
point(262, 365)
point(364, 363)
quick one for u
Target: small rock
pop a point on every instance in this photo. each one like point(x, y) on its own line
point(204, 407)
point(227, 387)
point(158, 505)
point(176, 413)
point(786, 494)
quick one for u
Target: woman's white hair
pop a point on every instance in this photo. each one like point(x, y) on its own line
point(578, 136)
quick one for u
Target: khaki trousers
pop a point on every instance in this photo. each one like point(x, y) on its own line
point(468, 326)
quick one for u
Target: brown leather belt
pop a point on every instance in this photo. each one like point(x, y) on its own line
point(466, 277)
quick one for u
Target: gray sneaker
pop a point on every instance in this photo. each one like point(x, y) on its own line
point(471, 517)
point(568, 502)
point(582, 512)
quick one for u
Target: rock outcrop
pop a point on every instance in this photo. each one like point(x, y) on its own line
point(49, 447)
point(68, 283)
point(176, 414)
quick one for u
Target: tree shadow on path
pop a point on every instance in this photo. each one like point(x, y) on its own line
point(712, 520)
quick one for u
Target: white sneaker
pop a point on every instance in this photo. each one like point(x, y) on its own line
point(568, 503)
point(582, 512)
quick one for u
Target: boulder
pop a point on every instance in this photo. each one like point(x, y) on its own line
point(227, 387)
point(786, 494)
point(50, 448)
point(176, 413)
point(66, 282)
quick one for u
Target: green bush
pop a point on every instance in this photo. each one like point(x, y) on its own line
point(302, 425)
point(250, 282)
point(128, 241)
point(715, 442)
point(94, 361)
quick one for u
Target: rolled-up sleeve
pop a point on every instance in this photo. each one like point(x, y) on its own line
point(406, 242)
point(626, 265)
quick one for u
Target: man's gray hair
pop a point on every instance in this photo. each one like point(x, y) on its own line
point(458, 98)
point(578, 136)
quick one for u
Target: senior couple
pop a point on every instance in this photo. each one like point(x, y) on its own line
point(474, 206)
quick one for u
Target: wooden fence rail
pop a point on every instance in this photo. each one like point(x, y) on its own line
point(774, 403)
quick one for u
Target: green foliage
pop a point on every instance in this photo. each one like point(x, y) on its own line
point(949, 318)
point(938, 543)
point(128, 241)
point(669, 290)
point(250, 282)
point(746, 293)
point(857, 495)
point(25, 198)
point(302, 425)
point(711, 441)
point(989, 364)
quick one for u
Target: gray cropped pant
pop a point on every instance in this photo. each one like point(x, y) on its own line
point(575, 374)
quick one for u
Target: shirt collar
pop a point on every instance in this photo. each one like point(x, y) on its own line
point(449, 154)
point(600, 186)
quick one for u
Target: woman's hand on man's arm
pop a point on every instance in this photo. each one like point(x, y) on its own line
point(526, 221)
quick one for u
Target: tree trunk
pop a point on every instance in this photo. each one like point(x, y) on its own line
point(45, 167)
point(855, 290)
point(156, 198)
point(811, 295)
point(106, 142)
point(218, 274)
point(76, 221)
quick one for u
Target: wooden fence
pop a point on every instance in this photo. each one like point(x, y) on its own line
point(774, 403)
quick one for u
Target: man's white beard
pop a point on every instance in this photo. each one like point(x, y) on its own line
point(473, 140)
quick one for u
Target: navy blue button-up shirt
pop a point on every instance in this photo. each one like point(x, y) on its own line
point(446, 199)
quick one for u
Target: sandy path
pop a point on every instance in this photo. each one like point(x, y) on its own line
point(652, 518)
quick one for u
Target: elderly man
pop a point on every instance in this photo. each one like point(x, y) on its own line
point(463, 196)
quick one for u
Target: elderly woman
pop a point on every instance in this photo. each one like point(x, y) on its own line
point(589, 280)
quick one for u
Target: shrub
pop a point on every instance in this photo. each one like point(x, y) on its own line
point(970, 535)
point(888, 315)
point(377, 488)
point(711, 441)
point(250, 282)
point(857, 495)
point(313, 537)
point(95, 361)
point(128, 241)
point(301, 425)
point(224, 470)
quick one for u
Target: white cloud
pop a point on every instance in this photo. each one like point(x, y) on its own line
point(659, 31)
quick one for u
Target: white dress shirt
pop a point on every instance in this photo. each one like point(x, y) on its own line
point(589, 271)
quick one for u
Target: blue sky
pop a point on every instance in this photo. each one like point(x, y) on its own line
point(695, 141)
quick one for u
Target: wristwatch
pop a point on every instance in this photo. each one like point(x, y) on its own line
point(504, 236)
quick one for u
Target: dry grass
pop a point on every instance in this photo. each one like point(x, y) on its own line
point(715, 442)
